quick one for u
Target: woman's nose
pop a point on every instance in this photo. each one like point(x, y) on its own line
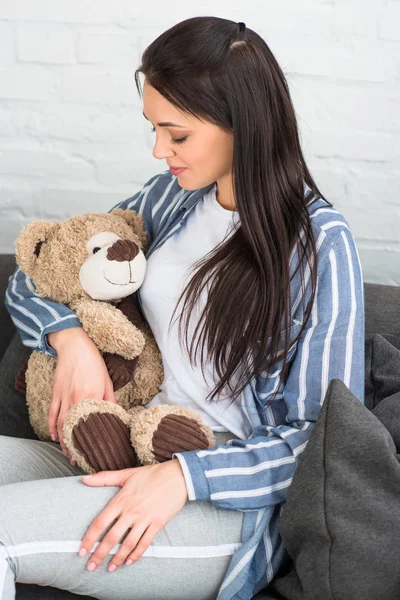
point(162, 150)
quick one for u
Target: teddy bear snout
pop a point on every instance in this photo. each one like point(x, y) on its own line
point(123, 250)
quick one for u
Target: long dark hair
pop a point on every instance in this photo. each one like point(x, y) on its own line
point(214, 69)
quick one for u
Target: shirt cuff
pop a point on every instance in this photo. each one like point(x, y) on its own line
point(66, 322)
point(196, 482)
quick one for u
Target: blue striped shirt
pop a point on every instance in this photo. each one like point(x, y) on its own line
point(253, 475)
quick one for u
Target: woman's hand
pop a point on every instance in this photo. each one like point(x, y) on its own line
point(80, 373)
point(149, 498)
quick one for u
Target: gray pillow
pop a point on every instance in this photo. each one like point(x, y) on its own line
point(341, 521)
point(382, 367)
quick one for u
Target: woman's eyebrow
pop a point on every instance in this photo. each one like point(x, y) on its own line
point(165, 123)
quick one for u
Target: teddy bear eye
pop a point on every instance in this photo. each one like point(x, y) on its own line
point(96, 249)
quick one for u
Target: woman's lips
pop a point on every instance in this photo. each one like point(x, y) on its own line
point(176, 171)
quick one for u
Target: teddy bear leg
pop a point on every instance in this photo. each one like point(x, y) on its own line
point(39, 388)
point(158, 432)
point(98, 437)
point(20, 378)
point(177, 433)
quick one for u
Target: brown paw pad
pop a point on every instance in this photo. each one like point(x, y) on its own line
point(177, 433)
point(104, 441)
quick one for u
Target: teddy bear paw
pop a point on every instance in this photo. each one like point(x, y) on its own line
point(120, 369)
point(103, 440)
point(177, 433)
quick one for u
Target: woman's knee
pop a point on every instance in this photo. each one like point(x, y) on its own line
point(14, 460)
point(30, 460)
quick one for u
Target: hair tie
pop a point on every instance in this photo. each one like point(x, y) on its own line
point(242, 26)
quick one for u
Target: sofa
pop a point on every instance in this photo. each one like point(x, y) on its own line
point(382, 309)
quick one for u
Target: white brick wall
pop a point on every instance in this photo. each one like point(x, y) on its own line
point(72, 138)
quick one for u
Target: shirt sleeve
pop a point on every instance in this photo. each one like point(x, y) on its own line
point(256, 473)
point(34, 316)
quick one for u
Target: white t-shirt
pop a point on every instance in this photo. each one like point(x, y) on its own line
point(168, 271)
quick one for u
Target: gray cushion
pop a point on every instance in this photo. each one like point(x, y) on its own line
point(382, 304)
point(341, 521)
point(382, 367)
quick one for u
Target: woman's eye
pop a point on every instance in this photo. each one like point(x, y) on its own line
point(96, 249)
point(179, 141)
point(173, 140)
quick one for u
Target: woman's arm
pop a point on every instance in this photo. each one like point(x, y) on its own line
point(35, 317)
point(256, 473)
point(55, 329)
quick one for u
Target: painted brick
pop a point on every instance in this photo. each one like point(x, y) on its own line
point(359, 146)
point(356, 17)
point(113, 172)
point(389, 25)
point(380, 264)
point(7, 42)
point(119, 49)
point(375, 224)
point(354, 58)
point(10, 233)
point(41, 45)
point(73, 139)
point(98, 87)
point(20, 82)
point(74, 122)
point(73, 11)
point(44, 164)
point(360, 107)
point(76, 201)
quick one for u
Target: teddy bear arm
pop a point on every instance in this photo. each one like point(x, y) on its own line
point(128, 308)
point(109, 329)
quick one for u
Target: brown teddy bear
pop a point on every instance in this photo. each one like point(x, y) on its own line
point(94, 263)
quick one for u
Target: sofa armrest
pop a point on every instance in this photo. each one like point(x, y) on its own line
point(382, 308)
point(7, 328)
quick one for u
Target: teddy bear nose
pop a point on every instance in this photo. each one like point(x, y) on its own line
point(123, 250)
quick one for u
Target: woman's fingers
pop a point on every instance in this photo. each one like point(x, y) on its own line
point(109, 395)
point(114, 536)
point(130, 543)
point(60, 425)
point(53, 414)
point(97, 528)
point(142, 545)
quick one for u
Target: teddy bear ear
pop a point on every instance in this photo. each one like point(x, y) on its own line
point(29, 243)
point(135, 222)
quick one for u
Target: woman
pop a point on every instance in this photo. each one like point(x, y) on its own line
point(271, 312)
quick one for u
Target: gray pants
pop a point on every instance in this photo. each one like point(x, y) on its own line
point(45, 510)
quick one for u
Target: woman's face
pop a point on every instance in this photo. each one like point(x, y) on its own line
point(205, 150)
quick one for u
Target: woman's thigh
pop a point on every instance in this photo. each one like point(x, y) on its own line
point(43, 522)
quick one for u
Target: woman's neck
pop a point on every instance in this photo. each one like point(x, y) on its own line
point(224, 193)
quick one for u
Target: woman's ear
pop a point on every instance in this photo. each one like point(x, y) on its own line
point(29, 244)
point(135, 222)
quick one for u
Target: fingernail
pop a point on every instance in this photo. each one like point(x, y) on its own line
point(86, 476)
point(65, 452)
point(91, 566)
point(112, 568)
point(129, 561)
point(53, 437)
point(82, 552)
